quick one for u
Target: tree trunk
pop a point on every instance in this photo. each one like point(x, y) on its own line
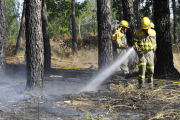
point(164, 64)
point(47, 50)
point(3, 37)
point(34, 45)
point(152, 2)
point(128, 15)
point(105, 56)
point(175, 22)
point(21, 31)
point(121, 10)
point(74, 37)
point(79, 28)
point(94, 27)
point(59, 29)
point(137, 14)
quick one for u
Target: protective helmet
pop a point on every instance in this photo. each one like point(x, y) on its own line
point(152, 25)
point(124, 23)
point(145, 22)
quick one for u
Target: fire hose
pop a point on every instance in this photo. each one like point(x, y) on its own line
point(134, 60)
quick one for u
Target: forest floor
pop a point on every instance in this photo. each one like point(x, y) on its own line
point(61, 99)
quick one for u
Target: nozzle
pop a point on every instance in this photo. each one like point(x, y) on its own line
point(134, 46)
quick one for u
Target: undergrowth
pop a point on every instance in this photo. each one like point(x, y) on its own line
point(166, 94)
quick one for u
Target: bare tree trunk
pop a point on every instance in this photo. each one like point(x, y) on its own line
point(121, 10)
point(164, 64)
point(152, 2)
point(105, 56)
point(47, 47)
point(59, 29)
point(94, 27)
point(74, 37)
point(3, 37)
point(21, 31)
point(137, 14)
point(34, 45)
point(79, 28)
point(128, 15)
point(175, 22)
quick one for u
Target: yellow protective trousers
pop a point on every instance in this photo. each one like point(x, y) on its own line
point(146, 61)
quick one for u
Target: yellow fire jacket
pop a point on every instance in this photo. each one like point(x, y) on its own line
point(120, 38)
point(146, 42)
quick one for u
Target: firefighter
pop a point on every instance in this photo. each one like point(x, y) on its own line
point(145, 38)
point(119, 38)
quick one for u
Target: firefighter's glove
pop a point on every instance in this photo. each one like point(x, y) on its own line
point(135, 46)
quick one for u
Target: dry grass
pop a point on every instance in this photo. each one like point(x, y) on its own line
point(81, 104)
point(86, 56)
point(169, 94)
point(61, 50)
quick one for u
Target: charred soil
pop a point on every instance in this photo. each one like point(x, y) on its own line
point(116, 99)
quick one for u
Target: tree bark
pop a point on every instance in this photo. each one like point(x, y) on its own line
point(34, 45)
point(128, 15)
point(175, 22)
point(59, 28)
point(137, 14)
point(121, 10)
point(3, 38)
point(74, 37)
point(47, 50)
point(164, 64)
point(152, 2)
point(21, 31)
point(79, 28)
point(105, 53)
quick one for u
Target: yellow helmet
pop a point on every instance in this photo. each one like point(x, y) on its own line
point(124, 23)
point(145, 22)
point(152, 25)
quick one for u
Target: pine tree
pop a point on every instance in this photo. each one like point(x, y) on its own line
point(21, 31)
point(3, 37)
point(74, 37)
point(175, 22)
point(129, 16)
point(34, 44)
point(164, 64)
point(104, 33)
point(47, 50)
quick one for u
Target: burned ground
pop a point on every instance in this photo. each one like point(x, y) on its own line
point(62, 99)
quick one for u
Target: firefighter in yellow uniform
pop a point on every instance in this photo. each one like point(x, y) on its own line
point(120, 38)
point(145, 38)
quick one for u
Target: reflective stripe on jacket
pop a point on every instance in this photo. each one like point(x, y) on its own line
point(145, 42)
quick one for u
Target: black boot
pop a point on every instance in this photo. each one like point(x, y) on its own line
point(150, 86)
point(127, 76)
point(141, 86)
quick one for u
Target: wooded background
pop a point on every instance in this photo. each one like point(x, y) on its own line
point(46, 21)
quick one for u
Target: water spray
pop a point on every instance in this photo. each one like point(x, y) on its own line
point(104, 74)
